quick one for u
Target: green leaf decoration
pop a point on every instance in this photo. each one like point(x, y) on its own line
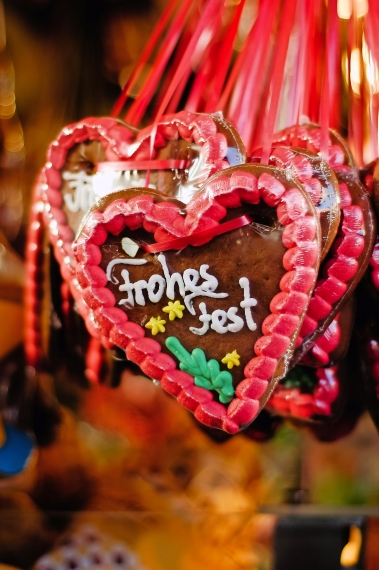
point(206, 374)
point(298, 377)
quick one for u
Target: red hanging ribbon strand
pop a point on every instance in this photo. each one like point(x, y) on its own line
point(149, 48)
point(194, 239)
point(223, 59)
point(277, 76)
point(125, 165)
point(140, 105)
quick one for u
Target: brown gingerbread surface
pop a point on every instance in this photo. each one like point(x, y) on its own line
point(253, 252)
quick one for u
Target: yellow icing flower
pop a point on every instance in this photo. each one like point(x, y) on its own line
point(231, 359)
point(174, 309)
point(156, 325)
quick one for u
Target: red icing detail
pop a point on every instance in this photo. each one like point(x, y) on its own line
point(192, 396)
point(243, 411)
point(211, 413)
point(300, 280)
point(303, 255)
point(302, 406)
point(273, 346)
point(292, 401)
point(301, 230)
point(293, 303)
point(173, 381)
point(139, 349)
point(330, 289)
point(282, 324)
point(272, 190)
point(252, 390)
point(156, 367)
point(318, 308)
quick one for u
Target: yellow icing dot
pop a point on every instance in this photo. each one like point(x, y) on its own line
point(156, 325)
point(231, 359)
point(174, 309)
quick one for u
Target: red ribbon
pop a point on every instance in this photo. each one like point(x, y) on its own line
point(143, 165)
point(194, 239)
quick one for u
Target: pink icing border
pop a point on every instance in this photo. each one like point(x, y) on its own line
point(301, 260)
point(293, 402)
point(118, 142)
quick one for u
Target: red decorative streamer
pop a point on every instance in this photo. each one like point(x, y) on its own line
point(125, 165)
point(277, 77)
point(196, 238)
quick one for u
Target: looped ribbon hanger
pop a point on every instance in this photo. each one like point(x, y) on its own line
point(207, 23)
point(371, 27)
point(280, 55)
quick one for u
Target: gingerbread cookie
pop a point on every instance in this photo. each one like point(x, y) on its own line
point(344, 266)
point(308, 136)
point(319, 181)
point(237, 284)
point(181, 152)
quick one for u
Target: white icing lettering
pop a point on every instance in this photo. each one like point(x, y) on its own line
point(247, 303)
point(204, 318)
point(138, 286)
point(210, 282)
point(153, 281)
point(237, 322)
point(88, 188)
point(219, 318)
point(123, 261)
point(128, 287)
point(81, 183)
point(171, 279)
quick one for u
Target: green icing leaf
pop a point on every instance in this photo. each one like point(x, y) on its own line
point(299, 378)
point(205, 374)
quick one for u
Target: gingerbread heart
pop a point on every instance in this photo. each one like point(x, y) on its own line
point(321, 184)
point(345, 265)
point(232, 299)
point(350, 254)
point(309, 136)
point(97, 156)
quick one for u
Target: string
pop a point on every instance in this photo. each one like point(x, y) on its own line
point(209, 14)
point(149, 48)
point(128, 165)
point(277, 77)
point(197, 238)
point(183, 43)
point(140, 105)
point(224, 58)
point(324, 103)
point(257, 43)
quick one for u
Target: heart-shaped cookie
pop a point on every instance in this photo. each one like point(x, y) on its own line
point(319, 181)
point(233, 299)
point(308, 136)
point(184, 150)
point(345, 264)
point(351, 251)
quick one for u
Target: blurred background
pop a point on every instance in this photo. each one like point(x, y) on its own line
point(127, 464)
